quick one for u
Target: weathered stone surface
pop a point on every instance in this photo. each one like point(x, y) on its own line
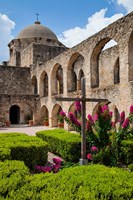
point(52, 69)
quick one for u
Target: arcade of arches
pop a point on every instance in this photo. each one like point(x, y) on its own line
point(50, 69)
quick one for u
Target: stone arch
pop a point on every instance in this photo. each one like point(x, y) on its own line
point(116, 114)
point(55, 111)
point(44, 113)
point(94, 62)
point(57, 80)
point(14, 114)
point(130, 57)
point(95, 110)
point(117, 71)
point(43, 87)
point(34, 85)
point(80, 76)
point(75, 64)
point(73, 110)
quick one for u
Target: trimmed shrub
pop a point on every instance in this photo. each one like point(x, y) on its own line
point(12, 176)
point(30, 149)
point(63, 143)
point(94, 182)
point(127, 151)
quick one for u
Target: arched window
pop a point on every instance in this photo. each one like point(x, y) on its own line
point(117, 72)
point(55, 115)
point(44, 84)
point(57, 80)
point(44, 114)
point(34, 85)
point(94, 62)
point(80, 76)
point(116, 115)
point(75, 65)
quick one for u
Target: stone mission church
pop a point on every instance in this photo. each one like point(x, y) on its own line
point(40, 68)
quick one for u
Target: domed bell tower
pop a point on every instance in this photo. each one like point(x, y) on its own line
point(34, 45)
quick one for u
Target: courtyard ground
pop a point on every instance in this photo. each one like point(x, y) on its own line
point(30, 130)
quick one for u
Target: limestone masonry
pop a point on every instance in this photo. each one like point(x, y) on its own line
point(40, 68)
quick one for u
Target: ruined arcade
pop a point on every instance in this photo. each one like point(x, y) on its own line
point(40, 68)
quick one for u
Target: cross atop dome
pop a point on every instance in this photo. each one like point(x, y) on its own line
point(37, 22)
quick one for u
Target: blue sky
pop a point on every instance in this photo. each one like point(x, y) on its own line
point(71, 20)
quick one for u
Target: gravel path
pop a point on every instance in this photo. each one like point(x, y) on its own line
point(30, 130)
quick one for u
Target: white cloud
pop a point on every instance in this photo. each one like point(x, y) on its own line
point(127, 4)
point(95, 23)
point(6, 25)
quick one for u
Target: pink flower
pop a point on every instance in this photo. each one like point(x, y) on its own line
point(105, 107)
point(125, 123)
point(93, 148)
point(62, 113)
point(89, 156)
point(74, 120)
point(47, 169)
point(131, 109)
point(122, 117)
point(111, 113)
point(78, 105)
point(95, 118)
point(56, 168)
point(113, 124)
point(57, 161)
point(88, 126)
point(90, 119)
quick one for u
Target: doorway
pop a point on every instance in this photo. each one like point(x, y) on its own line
point(15, 114)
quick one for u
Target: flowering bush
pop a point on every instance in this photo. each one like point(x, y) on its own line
point(102, 133)
point(55, 167)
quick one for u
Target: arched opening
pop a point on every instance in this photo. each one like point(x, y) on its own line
point(75, 65)
point(76, 114)
point(96, 108)
point(116, 115)
point(34, 85)
point(44, 85)
point(44, 115)
point(80, 76)
point(55, 113)
point(57, 80)
point(117, 72)
point(94, 61)
point(130, 58)
point(14, 114)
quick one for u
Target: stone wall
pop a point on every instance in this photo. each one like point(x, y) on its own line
point(98, 67)
point(15, 80)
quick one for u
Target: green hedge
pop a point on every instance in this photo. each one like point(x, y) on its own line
point(12, 176)
point(30, 149)
point(94, 182)
point(63, 143)
point(127, 151)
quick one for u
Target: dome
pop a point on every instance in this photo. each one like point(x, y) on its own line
point(37, 31)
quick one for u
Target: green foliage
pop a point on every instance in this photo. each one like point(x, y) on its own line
point(94, 182)
point(30, 149)
point(126, 150)
point(12, 176)
point(130, 167)
point(62, 143)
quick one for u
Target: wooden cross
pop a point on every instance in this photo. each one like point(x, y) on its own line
point(83, 99)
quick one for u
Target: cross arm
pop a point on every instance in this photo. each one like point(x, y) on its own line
point(79, 99)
